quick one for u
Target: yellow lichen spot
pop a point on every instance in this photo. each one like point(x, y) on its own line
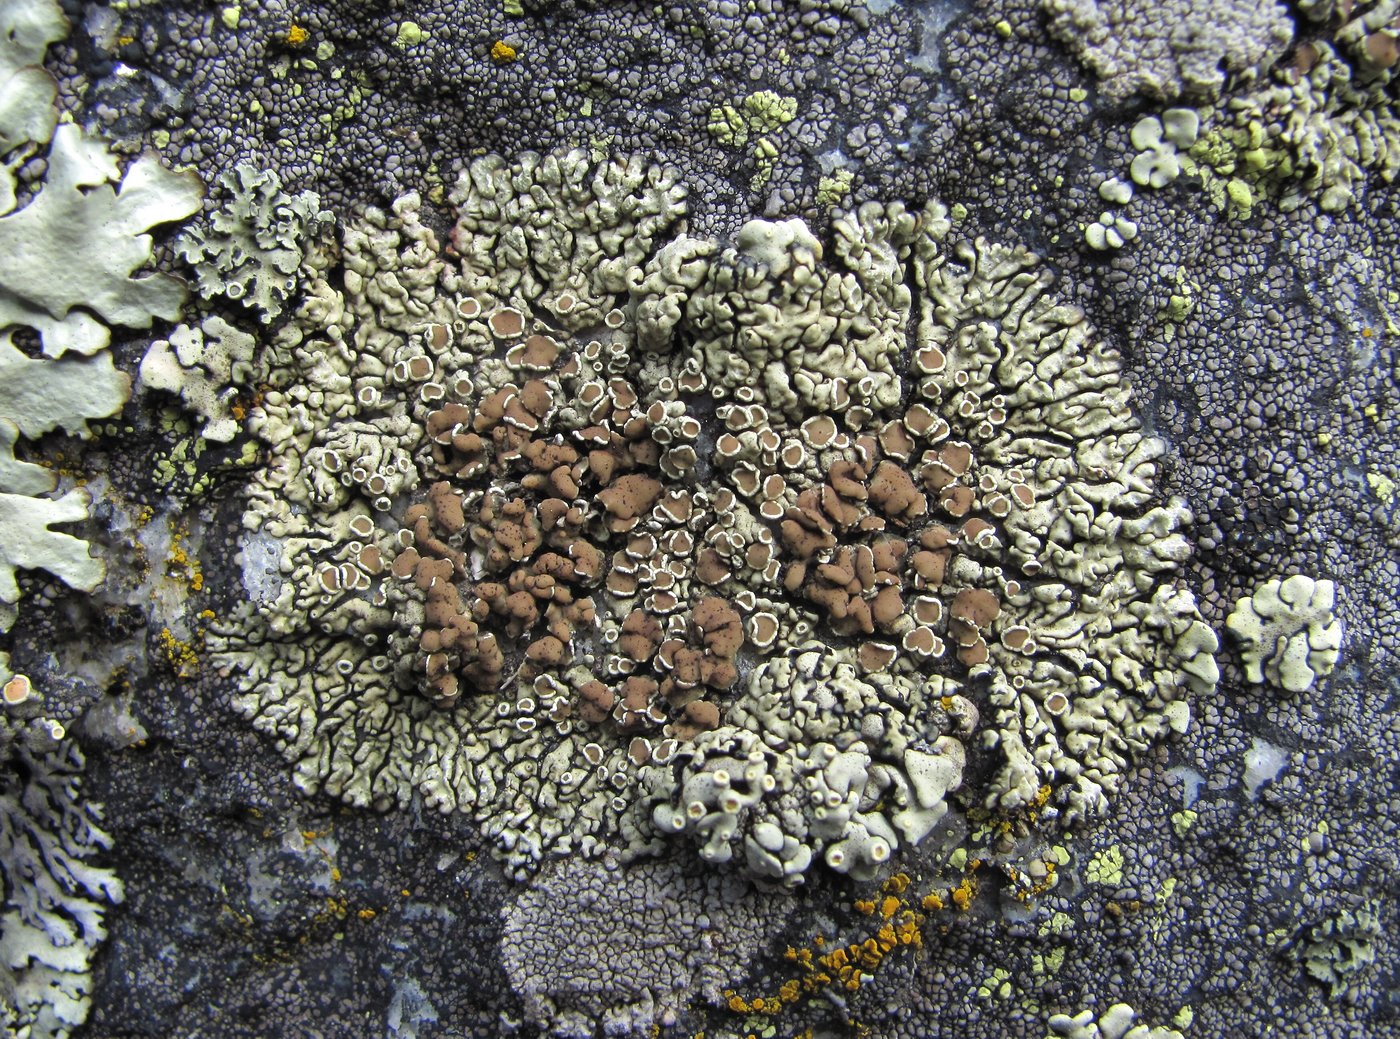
point(406, 893)
point(1105, 867)
point(789, 992)
point(335, 874)
point(889, 906)
point(366, 915)
point(180, 655)
point(907, 931)
point(503, 53)
point(898, 884)
point(864, 908)
point(736, 1003)
point(963, 893)
point(296, 35)
point(125, 41)
point(932, 902)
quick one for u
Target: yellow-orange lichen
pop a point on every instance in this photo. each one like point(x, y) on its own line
point(897, 884)
point(962, 895)
point(180, 655)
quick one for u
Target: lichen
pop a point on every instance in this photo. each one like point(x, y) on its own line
point(1182, 48)
point(52, 896)
point(209, 366)
point(74, 249)
point(1287, 632)
point(1317, 132)
point(560, 514)
point(1340, 949)
point(257, 242)
point(1117, 1022)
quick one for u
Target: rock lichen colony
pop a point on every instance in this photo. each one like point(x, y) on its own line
point(54, 898)
point(560, 513)
point(761, 520)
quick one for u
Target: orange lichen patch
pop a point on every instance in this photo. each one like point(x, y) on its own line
point(295, 36)
point(962, 895)
point(847, 966)
point(179, 563)
point(897, 884)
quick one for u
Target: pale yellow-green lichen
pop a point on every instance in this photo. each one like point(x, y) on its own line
point(418, 377)
point(1287, 632)
point(1106, 867)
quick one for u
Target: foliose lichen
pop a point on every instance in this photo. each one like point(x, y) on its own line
point(73, 251)
point(52, 896)
point(1117, 1022)
point(560, 514)
point(1287, 632)
point(256, 243)
point(1338, 950)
